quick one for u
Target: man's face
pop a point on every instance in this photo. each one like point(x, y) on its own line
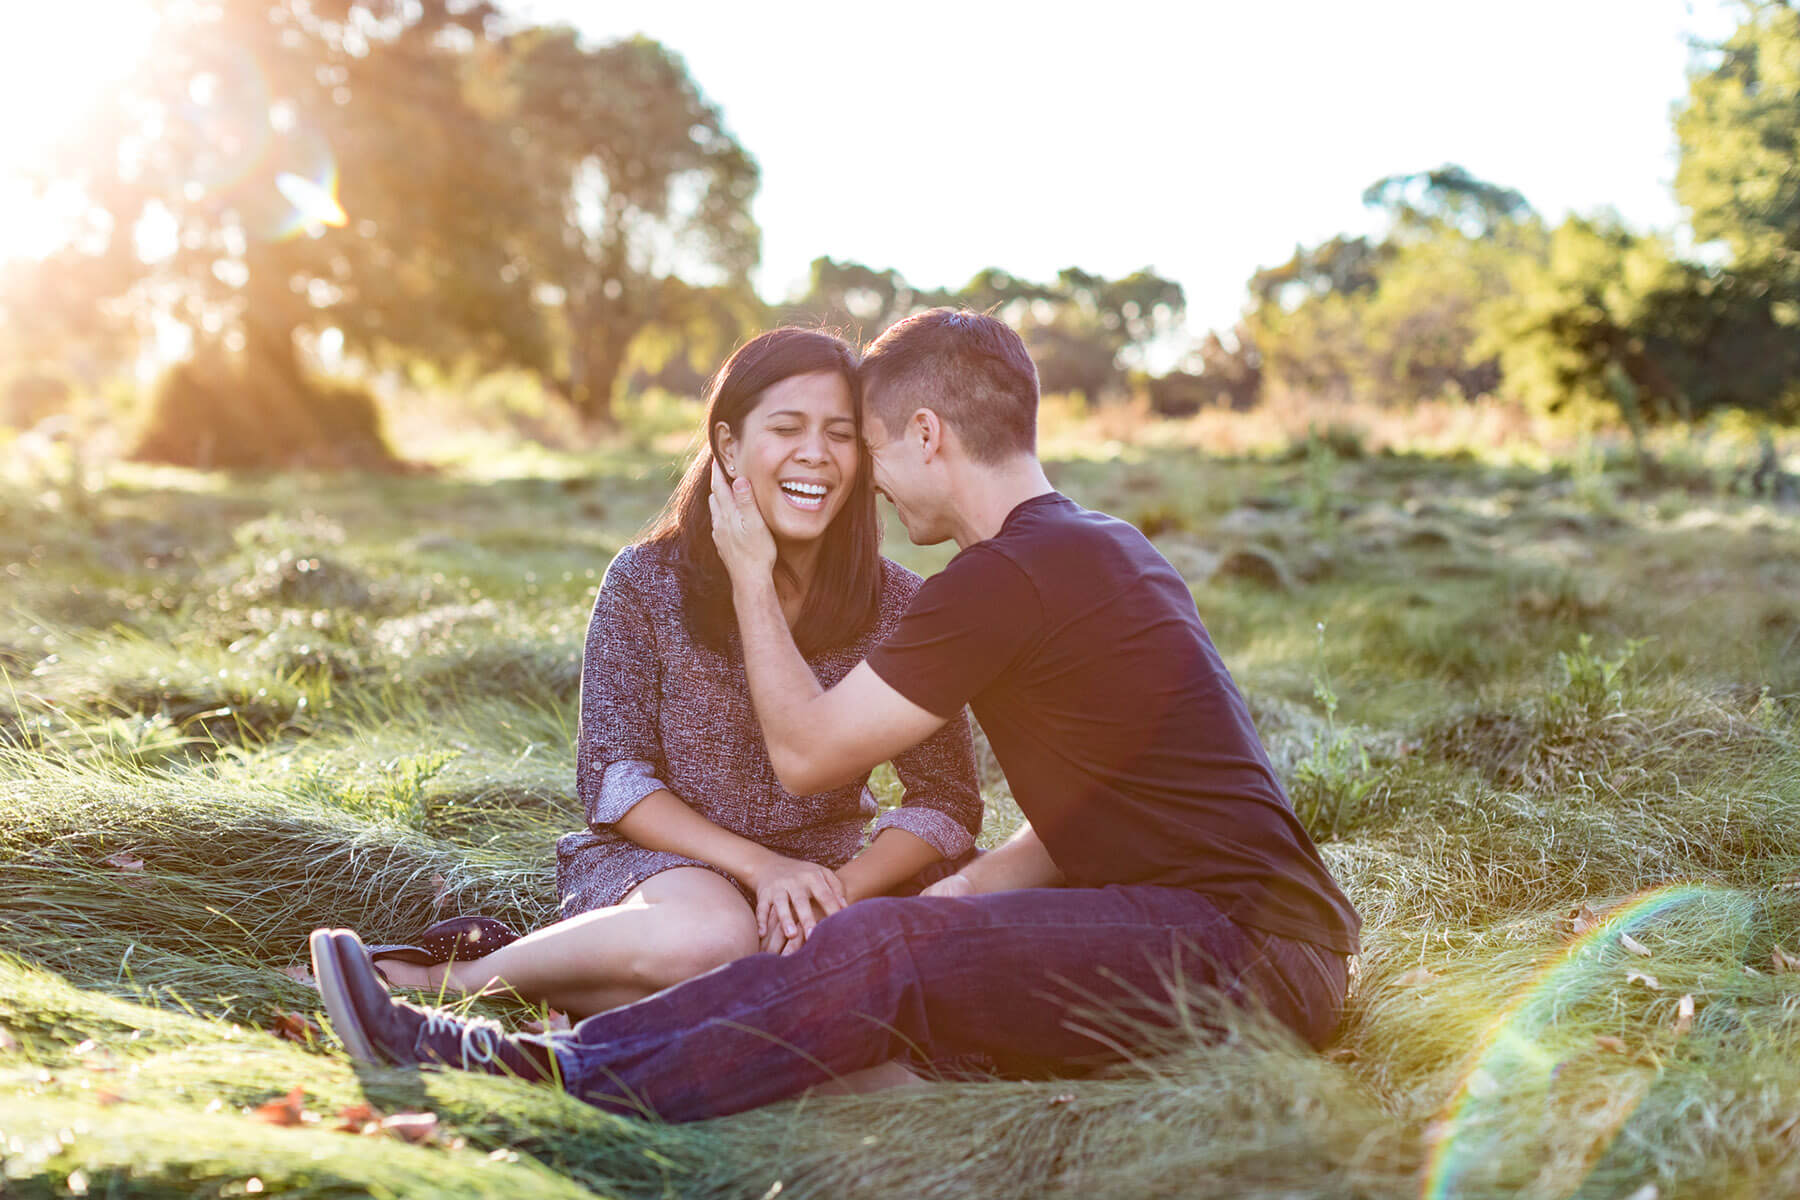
point(901, 478)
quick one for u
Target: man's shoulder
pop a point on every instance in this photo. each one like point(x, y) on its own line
point(1055, 526)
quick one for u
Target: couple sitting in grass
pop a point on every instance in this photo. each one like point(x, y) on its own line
point(695, 855)
point(753, 658)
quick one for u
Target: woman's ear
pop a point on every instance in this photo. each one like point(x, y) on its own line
point(725, 449)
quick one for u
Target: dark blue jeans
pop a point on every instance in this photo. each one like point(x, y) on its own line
point(1015, 978)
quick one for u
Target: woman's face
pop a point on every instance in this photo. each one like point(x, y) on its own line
point(798, 450)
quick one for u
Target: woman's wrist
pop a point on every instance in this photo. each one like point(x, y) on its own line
point(859, 882)
point(751, 863)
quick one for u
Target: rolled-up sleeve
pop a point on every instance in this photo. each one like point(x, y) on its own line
point(941, 804)
point(618, 753)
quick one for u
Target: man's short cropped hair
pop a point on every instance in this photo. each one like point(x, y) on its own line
point(969, 368)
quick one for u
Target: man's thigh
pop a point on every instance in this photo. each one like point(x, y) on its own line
point(1051, 977)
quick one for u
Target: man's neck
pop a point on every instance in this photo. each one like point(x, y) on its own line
point(986, 494)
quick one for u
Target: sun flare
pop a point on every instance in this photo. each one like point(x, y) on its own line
point(55, 60)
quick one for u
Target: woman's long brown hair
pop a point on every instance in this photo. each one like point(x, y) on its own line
point(845, 595)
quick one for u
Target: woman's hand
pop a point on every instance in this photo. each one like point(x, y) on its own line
point(745, 545)
point(776, 941)
point(793, 895)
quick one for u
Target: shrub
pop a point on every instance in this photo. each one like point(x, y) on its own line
point(214, 412)
point(32, 396)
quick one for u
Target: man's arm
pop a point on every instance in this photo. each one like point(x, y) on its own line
point(893, 857)
point(1020, 862)
point(817, 739)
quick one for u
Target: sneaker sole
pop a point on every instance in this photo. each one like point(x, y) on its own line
point(344, 1022)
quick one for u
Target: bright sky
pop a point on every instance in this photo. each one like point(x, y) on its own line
point(1203, 139)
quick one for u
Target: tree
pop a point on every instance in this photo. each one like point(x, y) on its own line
point(859, 299)
point(1612, 321)
point(212, 184)
point(1341, 266)
point(1229, 374)
point(1085, 331)
point(638, 186)
point(1740, 138)
point(1448, 197)
point(1397, 319)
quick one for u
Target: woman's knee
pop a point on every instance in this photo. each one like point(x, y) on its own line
point(695, 949)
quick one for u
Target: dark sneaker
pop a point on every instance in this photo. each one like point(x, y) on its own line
point(376, 1028)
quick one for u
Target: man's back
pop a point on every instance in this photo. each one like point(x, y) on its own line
point(1125, 741)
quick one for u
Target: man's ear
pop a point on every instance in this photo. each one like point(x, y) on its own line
point(928, 428)
point(725, 448)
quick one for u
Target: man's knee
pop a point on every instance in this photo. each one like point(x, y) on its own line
point(869, 921)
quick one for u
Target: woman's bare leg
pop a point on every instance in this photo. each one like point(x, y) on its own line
point(674, 925)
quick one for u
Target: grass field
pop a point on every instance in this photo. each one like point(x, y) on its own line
point(1544, 723)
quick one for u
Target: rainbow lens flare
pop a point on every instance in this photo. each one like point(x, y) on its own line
point(1517, 1056)
point(314, 202)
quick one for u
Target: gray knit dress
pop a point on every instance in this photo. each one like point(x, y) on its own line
point(661, 710)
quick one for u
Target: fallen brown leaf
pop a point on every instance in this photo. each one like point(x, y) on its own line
point(1648, 981)
point(301, 975)
point(108, 1099)
point(1632, 944)
point(292, 1027)
point(125, 860)
point(1784, 963)
point(415, 1127)
point(8, 1043)
point(1684, 1015)
point(1580, 920)
point(1417, 977)
point(289, 1110)
point(1610, 1044)
point(358, 1118)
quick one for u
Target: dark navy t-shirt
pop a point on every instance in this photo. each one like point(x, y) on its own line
point(1127, 745)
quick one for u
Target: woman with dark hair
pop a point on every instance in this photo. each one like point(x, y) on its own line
point(694, 854)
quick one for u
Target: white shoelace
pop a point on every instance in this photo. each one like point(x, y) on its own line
point(480, 1038)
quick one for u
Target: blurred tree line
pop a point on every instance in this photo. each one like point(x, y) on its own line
point(430, 180)
point(1468, 291)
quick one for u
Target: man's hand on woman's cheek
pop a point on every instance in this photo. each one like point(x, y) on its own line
point(745, 544)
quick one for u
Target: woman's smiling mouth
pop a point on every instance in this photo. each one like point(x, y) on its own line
point(807, 497)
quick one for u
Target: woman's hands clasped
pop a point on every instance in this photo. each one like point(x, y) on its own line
point(793, 896)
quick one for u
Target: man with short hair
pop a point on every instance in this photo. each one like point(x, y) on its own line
point(1161, 857)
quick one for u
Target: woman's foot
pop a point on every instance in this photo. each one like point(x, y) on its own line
point(413, 976)
point(884, 1078)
